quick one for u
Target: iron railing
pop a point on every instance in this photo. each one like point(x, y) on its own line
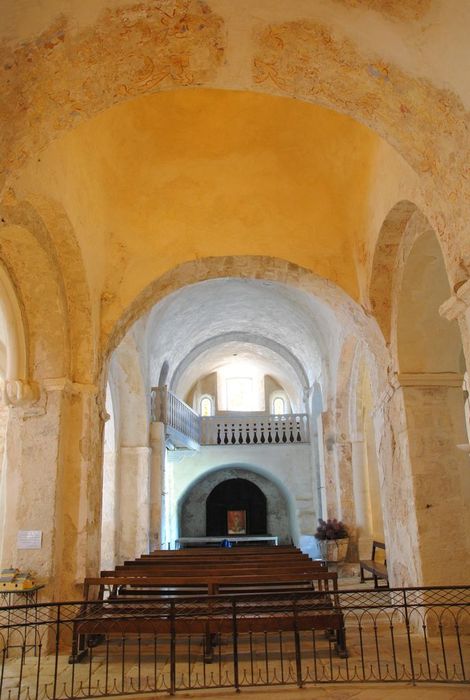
point(168, 645)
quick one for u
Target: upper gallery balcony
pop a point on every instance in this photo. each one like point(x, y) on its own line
point(184, 428)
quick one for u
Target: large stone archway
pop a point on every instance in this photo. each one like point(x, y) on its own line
point(193, 503)
point(293, 52)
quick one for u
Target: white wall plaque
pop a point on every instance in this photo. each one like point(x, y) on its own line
point(29, 539)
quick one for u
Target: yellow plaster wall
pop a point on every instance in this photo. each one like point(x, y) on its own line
point(194, 173)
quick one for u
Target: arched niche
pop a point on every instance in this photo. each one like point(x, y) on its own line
point(12, 330)
point(227, 500)
point(35, 294)
point(426, 342)
point(426, 479)
point(385, 261)
point(192, 504)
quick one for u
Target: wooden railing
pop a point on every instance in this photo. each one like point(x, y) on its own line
point(285, 429)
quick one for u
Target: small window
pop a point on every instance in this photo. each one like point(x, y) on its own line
point(206, 406)
point(279, 406)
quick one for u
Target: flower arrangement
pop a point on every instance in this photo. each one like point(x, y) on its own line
point(331, 530)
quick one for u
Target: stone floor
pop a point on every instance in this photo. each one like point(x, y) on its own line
point(368, 644)
point(379, 692)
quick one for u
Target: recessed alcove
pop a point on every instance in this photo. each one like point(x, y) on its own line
point(203, 507)
point(236, 496)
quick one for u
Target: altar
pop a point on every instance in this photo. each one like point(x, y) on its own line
point(182, 542)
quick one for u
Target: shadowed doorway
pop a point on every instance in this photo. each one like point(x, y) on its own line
point(239, 501)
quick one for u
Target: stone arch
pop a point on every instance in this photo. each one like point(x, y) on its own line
point(425, 408)
point(348, 313)
point(425, 342)
point(161, 50)
point(16, 365)
point(255, 267)
point(280, 522)
point(253, 338)
point(42, 301)
point(401, 229)
point(384, 263)
point(52, 235)
point(65, 252)
point(236, 494)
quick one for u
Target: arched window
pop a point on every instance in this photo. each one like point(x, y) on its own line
point(206, 406)
point(278, 406)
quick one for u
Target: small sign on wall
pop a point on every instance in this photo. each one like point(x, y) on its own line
point(29, 539)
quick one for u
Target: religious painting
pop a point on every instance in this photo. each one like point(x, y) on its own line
point(236, 522)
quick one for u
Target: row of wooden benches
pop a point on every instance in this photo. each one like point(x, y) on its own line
point(134, 598)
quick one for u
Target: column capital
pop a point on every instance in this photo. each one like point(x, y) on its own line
point(67, 385)
point(457, 304)
point(18, 392)
point(430, 379)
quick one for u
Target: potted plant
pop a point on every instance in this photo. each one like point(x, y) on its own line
point(333, 539)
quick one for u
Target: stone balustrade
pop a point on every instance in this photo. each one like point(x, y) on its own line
point(227, 429)
point(237, 429)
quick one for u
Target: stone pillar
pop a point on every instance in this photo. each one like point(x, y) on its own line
point(53, 484)
point(361, 497)
point(332, 489)
point(134, 510)
point(157, 469)
point(441, 475)
point(458, 308)
point(110, 510)
point(398, 497)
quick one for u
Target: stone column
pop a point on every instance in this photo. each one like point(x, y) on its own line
point(441, 474)
point(53, 484)
point(398, 497)
point(332, 489)
point(361, 497)
point(134, 510)
point(157, 469)
point(457, 307)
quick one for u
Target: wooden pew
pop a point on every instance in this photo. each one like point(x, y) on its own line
point(107, 616)
point(188, 574)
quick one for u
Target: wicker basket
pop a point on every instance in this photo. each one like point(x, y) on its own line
point(334, 550)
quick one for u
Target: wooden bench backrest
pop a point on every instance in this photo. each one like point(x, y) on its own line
point(375, 546)
point(193, 561)
point(227, 570)
point(325, 581)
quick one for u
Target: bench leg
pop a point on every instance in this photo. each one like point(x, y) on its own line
point(209, 643)
point(362, 575)
point(341, 648)
point(79, 648)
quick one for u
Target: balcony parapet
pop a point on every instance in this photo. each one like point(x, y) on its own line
point(182, 424)
point(239, 429)
point(184, 428)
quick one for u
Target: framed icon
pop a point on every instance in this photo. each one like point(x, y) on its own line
point(236, 522)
